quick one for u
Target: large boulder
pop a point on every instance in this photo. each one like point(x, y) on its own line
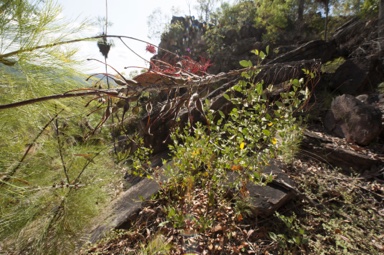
point(358, 75)
point(354, 120)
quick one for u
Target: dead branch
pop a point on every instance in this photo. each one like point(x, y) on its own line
point(153, 81)
point(58, 96)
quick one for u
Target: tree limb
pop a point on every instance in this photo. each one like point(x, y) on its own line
point(58, 96)
point(152, 81)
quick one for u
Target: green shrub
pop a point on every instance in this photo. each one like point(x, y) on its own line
point(204, 157)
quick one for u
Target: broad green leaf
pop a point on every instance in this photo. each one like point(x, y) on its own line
point(256, 52)
point(266, 132)
point(259, 88)
point(245, 63)
point(262, 55)
point(245, 75)
point(295, 82)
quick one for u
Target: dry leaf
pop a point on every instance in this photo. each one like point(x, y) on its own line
point(217, 228)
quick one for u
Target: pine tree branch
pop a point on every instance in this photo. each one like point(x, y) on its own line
point(58, 96)
point(33, 143)
point(22, 50)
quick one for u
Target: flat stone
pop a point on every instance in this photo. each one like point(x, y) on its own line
point(324, 149)
point(269, 198)
point(124, 207)
point(266, 199)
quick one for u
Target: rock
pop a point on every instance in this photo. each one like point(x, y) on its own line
point(317, 49)
point(357, 37)
point(175, 19)
point(267, 199)
point(358, 122)
point(357, 76)
point(323, 148)
point(283, 72)
point(126, 205)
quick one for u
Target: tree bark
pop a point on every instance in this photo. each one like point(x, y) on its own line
point(381, 22)
point(326, 3)
point(300, 10)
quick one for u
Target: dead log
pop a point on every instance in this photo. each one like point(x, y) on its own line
point(317, 49)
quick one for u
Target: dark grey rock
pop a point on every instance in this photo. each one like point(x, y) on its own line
point(124, 207)
point(267, 199)
point(324, 149)
point(356, 76)
point(354, 120)
point(317, 49)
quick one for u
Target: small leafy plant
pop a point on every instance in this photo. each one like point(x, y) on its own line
point(211, 165)
point(295, 237)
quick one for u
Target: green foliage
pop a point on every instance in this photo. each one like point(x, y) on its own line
point(354, 7)
point(295, 237)
point(331, 66)
point(175, 30)
point(50, 196)
point(25, 24)
point(275, 16)
point(370, 7)
point(278, 19)
point(53, 178)
point(209, 161)
point(157, 245)
point(227, 18)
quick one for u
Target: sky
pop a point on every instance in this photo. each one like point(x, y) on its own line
point(129, 18)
